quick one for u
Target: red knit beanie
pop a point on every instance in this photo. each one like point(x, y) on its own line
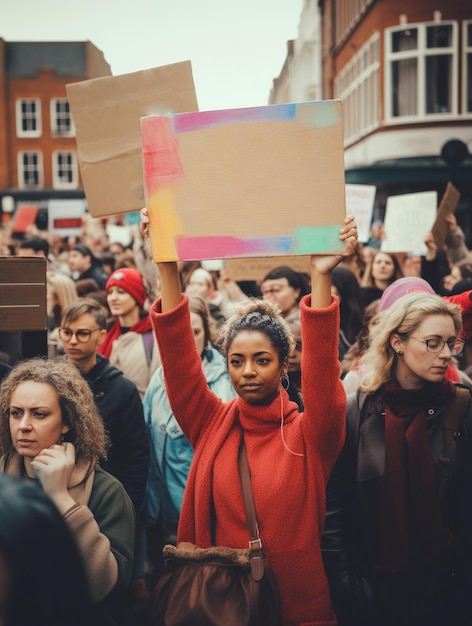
point(131, 281)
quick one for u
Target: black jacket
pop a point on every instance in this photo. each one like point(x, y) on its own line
point(98, 274)
point(120, 406)
point(354, 502)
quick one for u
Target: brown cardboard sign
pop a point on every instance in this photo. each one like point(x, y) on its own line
point(106, 113)
point(250, 182)
point(448, 205)
point(23, 293)
point(257, 268)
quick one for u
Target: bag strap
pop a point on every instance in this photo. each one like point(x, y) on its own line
point(255, 543)
point(452, 418)
point(148, 341)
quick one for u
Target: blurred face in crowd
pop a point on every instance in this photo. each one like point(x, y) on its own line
point(120, 302)
point(198, 331)
point(295, 358)
point(116, 248)
point(35, 418)
point(383, 267)
point(199, 285)
point(281, 293)
point(77, 262)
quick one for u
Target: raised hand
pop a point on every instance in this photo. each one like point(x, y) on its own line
point(348, 234)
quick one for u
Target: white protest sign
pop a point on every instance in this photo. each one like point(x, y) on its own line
point(119, 234)
point(408, 218)
point(65, 217)
point(360, 203)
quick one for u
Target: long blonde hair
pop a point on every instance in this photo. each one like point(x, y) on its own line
point(402, 317)
point(63, 287)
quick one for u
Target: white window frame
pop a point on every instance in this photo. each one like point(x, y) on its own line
point(57, 183)
point(20, 132)
point(358, 85)
point(55, 127)
point(420, 54)
point(22, 184)
point(465, 51)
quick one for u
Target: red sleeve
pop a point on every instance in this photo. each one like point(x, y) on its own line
point(464, 301)
point(192, 402)
point(323, 392)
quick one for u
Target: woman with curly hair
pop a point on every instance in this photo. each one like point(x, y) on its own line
point(290, 454)
point(51, 431)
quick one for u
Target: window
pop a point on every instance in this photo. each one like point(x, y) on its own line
point(30, 171)
point(348, 13)
point(28, 117)
point(64, 170)
point(358, 86)
point(467, 82)
point(421, 71)
point(61, 118)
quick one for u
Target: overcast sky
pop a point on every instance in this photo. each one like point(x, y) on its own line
point(236, 47)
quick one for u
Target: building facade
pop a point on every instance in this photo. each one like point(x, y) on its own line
point(300, 79)
point(38, 153)
point(404, 73)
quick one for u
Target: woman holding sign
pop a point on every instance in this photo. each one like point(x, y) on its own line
point(290, 454)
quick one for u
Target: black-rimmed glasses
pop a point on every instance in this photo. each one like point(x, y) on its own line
point(436, 344)
point(82, 335)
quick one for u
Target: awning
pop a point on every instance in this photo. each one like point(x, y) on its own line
point(411, 170)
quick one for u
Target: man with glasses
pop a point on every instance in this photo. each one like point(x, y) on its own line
point(83, 328)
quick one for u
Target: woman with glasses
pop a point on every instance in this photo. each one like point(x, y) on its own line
point(398, 534)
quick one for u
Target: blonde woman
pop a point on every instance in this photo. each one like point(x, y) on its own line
point(397, 545)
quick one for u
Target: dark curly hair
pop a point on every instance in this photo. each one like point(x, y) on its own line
point(260, 315)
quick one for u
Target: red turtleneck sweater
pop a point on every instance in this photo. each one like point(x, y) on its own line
point(289, 490)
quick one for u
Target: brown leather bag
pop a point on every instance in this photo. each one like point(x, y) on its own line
point(218, 586)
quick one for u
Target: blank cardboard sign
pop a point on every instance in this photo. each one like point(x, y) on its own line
point(448, 205)
point(252, 182)
point(107, 113)
point(23, 293)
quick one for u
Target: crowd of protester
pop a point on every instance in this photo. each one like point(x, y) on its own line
point(403, 345)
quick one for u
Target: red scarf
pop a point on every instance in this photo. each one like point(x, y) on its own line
point(141, 327)
point(412, 531)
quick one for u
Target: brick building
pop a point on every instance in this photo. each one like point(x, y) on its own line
point(404, 72)
point(38, 155)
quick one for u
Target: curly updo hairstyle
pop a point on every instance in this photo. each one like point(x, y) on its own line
point(263, 316)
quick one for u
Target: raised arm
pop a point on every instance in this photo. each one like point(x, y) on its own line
point(321, 266)
point(171, 290)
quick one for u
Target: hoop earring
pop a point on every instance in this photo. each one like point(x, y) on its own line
point(284, 379)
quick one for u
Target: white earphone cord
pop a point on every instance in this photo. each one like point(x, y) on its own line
point(282, 429)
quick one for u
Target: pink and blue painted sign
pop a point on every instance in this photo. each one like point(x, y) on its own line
point(251, 182)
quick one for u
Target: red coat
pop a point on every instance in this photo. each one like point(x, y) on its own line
point(289, 490)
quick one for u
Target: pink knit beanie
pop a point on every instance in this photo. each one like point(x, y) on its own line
point(402, 287)
point(131, 281)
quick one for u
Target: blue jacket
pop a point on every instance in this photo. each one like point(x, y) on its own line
point(171, 453)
